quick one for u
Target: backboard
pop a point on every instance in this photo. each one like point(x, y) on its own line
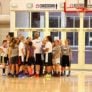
point(78, 6)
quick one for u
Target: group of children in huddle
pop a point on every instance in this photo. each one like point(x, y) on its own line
point(27, 57)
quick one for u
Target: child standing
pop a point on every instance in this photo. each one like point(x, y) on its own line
point(30, 59)
point(56, 58)
point(43, 57)
point(4, 56)
point(13, 57)
point(22, 54)
point(48, 56)
point(37, 43)
point(66, 57)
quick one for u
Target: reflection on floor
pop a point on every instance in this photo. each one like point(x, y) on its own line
point(80, 81)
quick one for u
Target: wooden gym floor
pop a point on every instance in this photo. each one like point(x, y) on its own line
point(79, 81)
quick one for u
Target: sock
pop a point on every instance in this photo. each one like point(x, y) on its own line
point(37, 72)
point(43, 69)
point(69, 72)
point(64, 72)
point(3, 70)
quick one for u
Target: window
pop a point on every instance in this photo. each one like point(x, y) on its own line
point(55, 19)
point(23, 33)
point(77, 22)
point(88, 20)
point(73, 37)
point(88, 47)
point(55, 35)
point(72, 20)
point(88, 38)
point(22, 19)
point(38, 20)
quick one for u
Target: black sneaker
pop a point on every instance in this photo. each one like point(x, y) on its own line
point(58, 75)
point(54, 74)
point(9, 74)
point(68, 75)
point(64, 73)
point(16, 75)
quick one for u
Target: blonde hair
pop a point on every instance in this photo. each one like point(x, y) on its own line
point(21, 38)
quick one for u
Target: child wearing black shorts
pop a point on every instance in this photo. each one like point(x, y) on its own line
point(30, 59)
point(48, 56)
point(4, 56)
point(66, 57)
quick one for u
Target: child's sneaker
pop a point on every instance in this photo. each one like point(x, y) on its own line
point(9, 74)
point(58, 75)
point(16, 75)
point(68, 75)
point(54, 74)
point(21, 75)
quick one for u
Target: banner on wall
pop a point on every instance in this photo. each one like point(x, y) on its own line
point(46, 6)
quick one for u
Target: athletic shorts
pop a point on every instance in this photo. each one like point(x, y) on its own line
point(38, 60)
point(4, 60)
point(31, 61)
point(48, 59)
point(22, 60)
point(65, 61)
point(14, 60)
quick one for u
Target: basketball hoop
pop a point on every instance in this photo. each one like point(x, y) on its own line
point(73, 6)
point(76, 9)
point(80, 9)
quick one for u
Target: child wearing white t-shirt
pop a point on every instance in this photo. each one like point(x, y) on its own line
point(48, 56)
point(4, 56)
point(37, 43)
point(22, 54)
